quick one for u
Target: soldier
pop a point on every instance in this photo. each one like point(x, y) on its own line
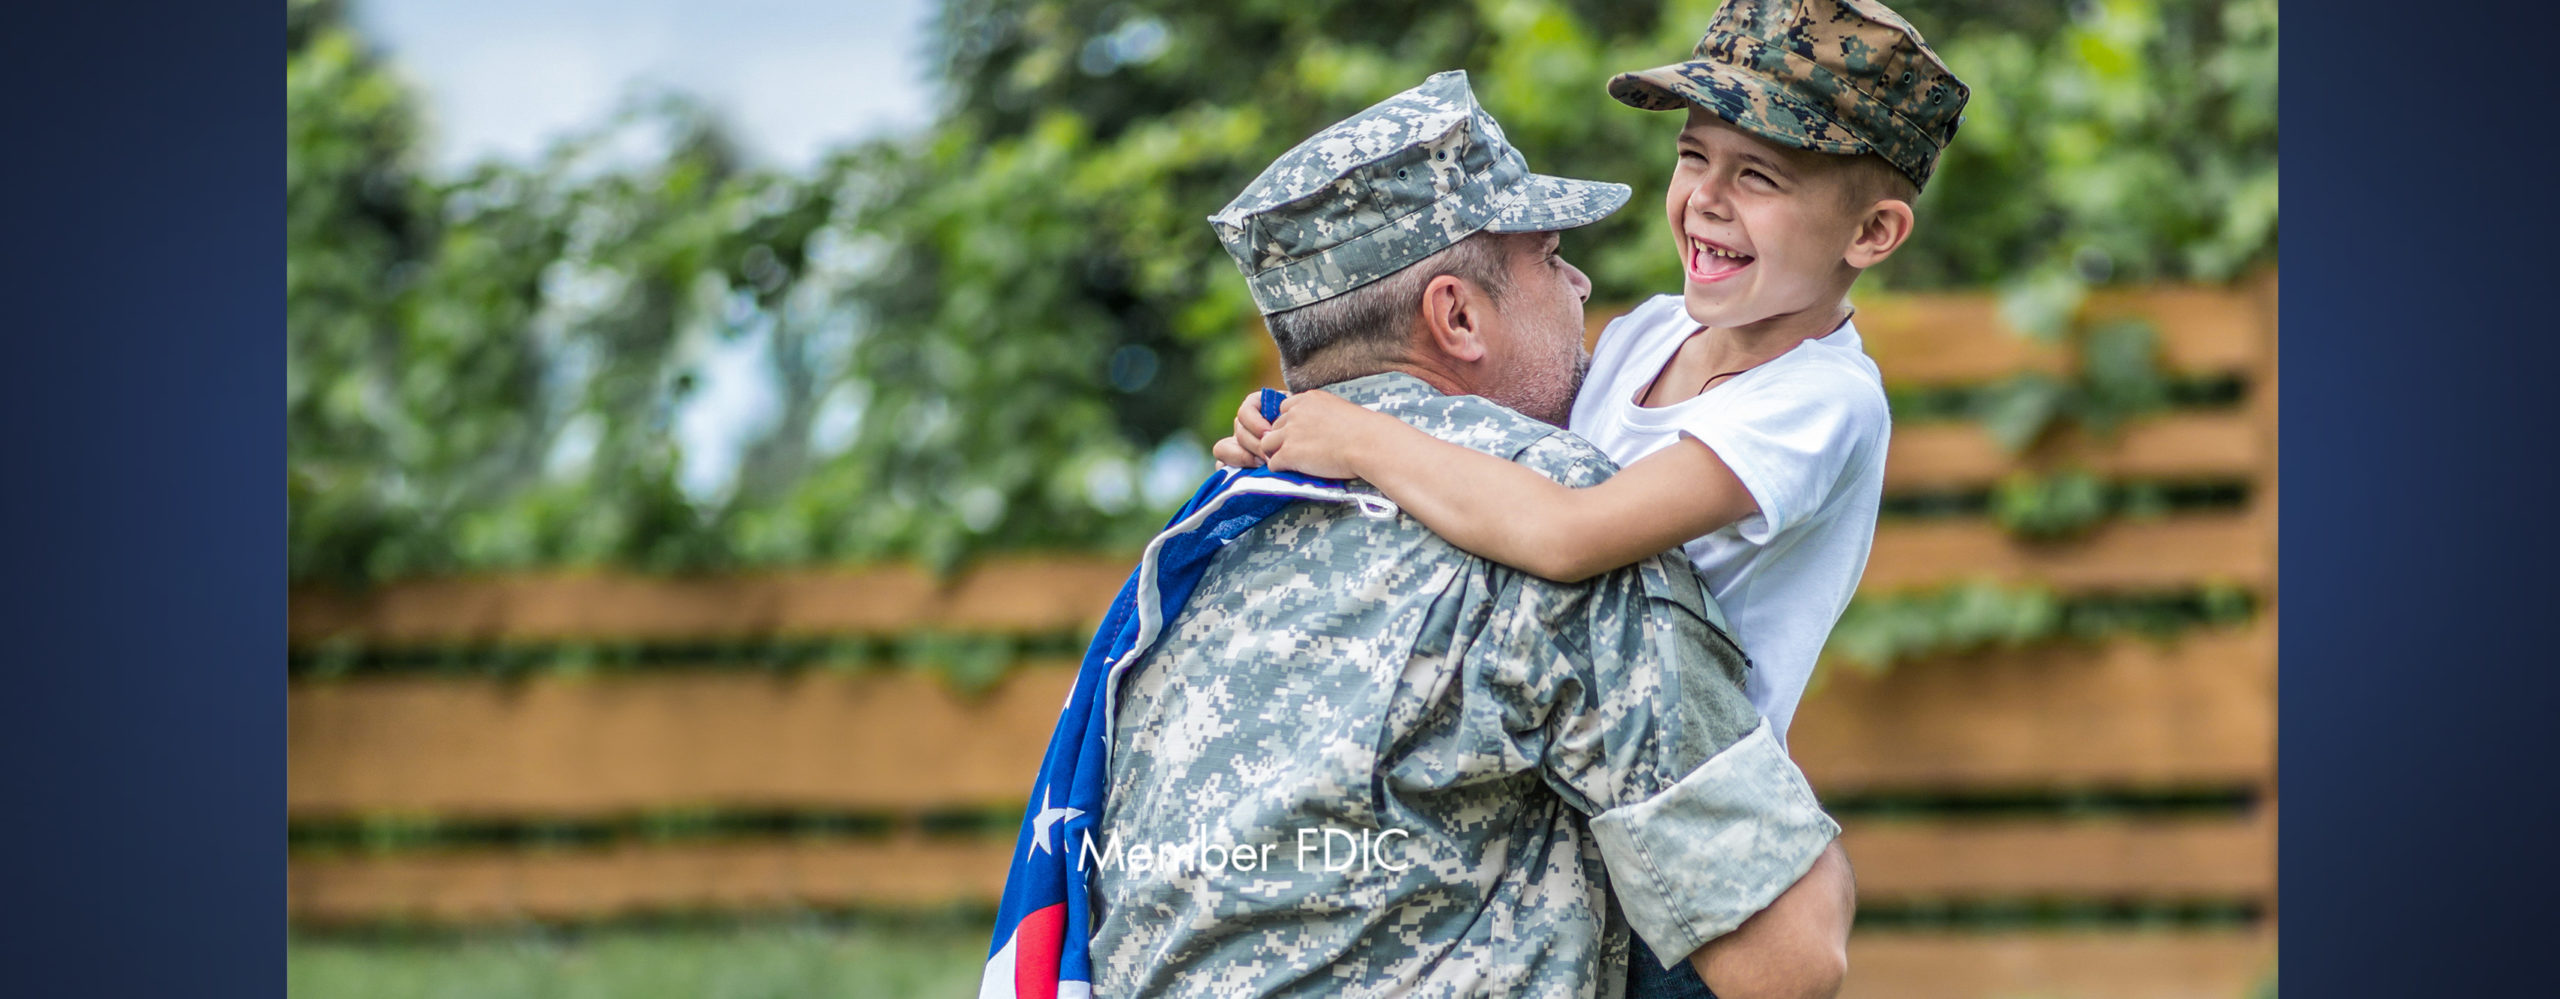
point(1361, 761)
point(1751, 425)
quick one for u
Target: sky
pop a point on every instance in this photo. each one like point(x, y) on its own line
point(793, 78)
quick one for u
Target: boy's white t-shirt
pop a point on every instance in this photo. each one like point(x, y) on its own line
point(1806, 434)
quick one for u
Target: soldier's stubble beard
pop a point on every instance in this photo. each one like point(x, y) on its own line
point(1545, 391)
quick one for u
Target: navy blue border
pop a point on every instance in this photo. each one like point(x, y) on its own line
point(140, 393)
point(2417, 734)
point(143, 377)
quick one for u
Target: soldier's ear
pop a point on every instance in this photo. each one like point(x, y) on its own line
point(1453, 317)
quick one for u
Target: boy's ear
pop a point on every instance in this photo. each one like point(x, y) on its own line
point(1887, 223)
point(1453, 317)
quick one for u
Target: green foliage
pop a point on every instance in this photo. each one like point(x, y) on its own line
point(1879, 630)
point(1876, 632)
point(2134, 143)
point(991, 335)
point(2068, 503)
point(2120, 374)
point(2118, 377)
point(2045, 507)
point(483, 371)
point(969, 664)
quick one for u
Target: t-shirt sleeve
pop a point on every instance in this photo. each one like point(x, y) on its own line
point(1789, 438)
point(1632, 705)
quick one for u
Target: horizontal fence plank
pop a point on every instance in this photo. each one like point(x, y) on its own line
point(1919, 340)
point(1897, 861)
point(572, 746)
point(2179, 445)
point(2130, 712)
point(2197, 711)
point(1959, 339)
point(2078, 964)
point(2113, 857)
point(2171, 552)
point(1015, 595)
point(1068, 594)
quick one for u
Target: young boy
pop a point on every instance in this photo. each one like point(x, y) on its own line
point(1749, 421)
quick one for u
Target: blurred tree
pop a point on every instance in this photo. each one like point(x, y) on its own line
point(985, 336)
point(482, 371)
point(355, 230)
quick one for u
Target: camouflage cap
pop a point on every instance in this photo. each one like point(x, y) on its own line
point(1371, 194)
point(1833, 76)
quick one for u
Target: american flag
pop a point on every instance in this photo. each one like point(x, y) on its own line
point(1043, 924)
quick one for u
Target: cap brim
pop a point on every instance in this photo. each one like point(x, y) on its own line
point(1744, 101)
point(1543, 203)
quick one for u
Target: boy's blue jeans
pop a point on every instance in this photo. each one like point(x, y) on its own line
point(1648, 979)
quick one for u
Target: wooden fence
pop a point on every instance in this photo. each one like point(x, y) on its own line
point(2044, 821)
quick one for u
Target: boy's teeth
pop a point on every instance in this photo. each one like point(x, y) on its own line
point(1712, 260)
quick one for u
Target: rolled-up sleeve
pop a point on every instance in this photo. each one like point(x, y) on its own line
point(1639, 721)
point(1691, 863)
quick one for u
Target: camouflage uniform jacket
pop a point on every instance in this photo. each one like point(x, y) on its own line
point(1509, 773)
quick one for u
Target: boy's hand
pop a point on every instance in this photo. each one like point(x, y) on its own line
point(1246, 448)
point(1321, 434)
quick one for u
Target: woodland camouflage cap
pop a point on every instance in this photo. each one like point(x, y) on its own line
point(1382, 189)
point(1833, 76)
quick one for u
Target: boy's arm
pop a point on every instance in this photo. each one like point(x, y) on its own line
point(1797, 948)
point(1504, 511)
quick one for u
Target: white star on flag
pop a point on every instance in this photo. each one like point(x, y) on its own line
point(1048, 816)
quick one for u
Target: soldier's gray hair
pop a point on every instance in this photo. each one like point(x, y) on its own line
point(1346, 335)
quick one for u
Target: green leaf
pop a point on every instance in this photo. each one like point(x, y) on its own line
point(2018, 410)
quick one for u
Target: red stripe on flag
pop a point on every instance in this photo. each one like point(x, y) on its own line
point(1035, 958)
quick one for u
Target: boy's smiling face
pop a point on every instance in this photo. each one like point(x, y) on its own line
point(1769, 234)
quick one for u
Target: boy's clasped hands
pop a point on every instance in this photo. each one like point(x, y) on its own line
point(1318, 433)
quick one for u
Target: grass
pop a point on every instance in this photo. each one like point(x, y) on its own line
point(857, 960)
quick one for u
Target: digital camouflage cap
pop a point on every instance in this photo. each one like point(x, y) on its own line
point(1376, 192)
point(1833, 76)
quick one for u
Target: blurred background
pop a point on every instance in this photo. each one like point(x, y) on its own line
point(712, 430)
